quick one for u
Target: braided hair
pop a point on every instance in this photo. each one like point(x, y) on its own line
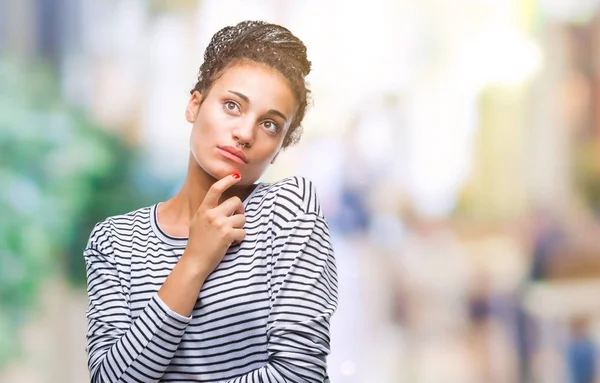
point(264, 43)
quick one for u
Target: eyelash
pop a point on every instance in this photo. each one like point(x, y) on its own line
point(231, 102)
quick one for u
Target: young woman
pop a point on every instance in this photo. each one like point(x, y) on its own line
point(230, 280)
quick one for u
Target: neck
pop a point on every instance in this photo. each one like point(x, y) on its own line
point(176, 214)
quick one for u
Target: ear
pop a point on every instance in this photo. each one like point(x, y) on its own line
point(193, 107)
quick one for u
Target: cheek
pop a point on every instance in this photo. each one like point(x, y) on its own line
point(205, 128)
point(268, 153)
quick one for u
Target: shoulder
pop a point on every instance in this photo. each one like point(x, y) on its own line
point(296, 195)
point(105, 232)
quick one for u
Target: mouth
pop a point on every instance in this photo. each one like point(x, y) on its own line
point(233, 154)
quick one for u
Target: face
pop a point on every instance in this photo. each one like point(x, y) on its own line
point(249, 104)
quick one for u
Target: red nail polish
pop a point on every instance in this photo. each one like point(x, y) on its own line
point(236, 176)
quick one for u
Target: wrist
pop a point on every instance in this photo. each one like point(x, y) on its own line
point(197, 269)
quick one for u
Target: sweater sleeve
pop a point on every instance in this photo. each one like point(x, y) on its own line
point(303, 299)
point(121, 349)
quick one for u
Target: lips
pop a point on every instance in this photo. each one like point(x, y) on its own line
point(233, 154)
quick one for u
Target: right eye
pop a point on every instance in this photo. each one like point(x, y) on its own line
point(231, 106)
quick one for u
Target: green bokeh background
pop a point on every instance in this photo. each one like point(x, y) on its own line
point(59, 175)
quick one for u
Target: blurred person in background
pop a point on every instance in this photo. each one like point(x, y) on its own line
point(581, 352)
point(231, 279)
point(546, 235)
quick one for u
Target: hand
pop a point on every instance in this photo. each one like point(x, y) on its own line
point(215, 226)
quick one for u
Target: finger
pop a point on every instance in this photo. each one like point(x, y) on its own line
point(233, 205)
point(237, 221)
point(218, 188)
point(237, 235)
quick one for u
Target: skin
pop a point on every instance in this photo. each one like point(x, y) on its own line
point(249, 103)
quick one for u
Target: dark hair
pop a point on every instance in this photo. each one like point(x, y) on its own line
point(260, 42)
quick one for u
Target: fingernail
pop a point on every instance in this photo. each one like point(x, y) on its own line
point(236, 176)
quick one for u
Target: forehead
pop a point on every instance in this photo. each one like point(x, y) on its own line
point(264, 86)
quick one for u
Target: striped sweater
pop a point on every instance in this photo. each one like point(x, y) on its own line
point(262, 316)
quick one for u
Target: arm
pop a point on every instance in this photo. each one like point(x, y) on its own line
point(120, 349)
point(303, 299)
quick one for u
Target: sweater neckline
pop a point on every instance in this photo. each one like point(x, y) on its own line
point(182, 241)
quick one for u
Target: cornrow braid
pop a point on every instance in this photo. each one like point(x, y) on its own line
point(264, 43)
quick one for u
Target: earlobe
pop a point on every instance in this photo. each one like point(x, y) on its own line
point(191, 112)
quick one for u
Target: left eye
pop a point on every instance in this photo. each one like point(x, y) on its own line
point(271, 126)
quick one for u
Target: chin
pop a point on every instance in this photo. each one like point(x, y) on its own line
point(218, 170)
point(221, 171)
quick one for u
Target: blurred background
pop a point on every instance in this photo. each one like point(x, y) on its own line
point(455, 146)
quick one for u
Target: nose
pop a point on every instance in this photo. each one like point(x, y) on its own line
point(243, 132)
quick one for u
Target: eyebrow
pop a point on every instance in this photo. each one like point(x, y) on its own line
point(247, 100)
